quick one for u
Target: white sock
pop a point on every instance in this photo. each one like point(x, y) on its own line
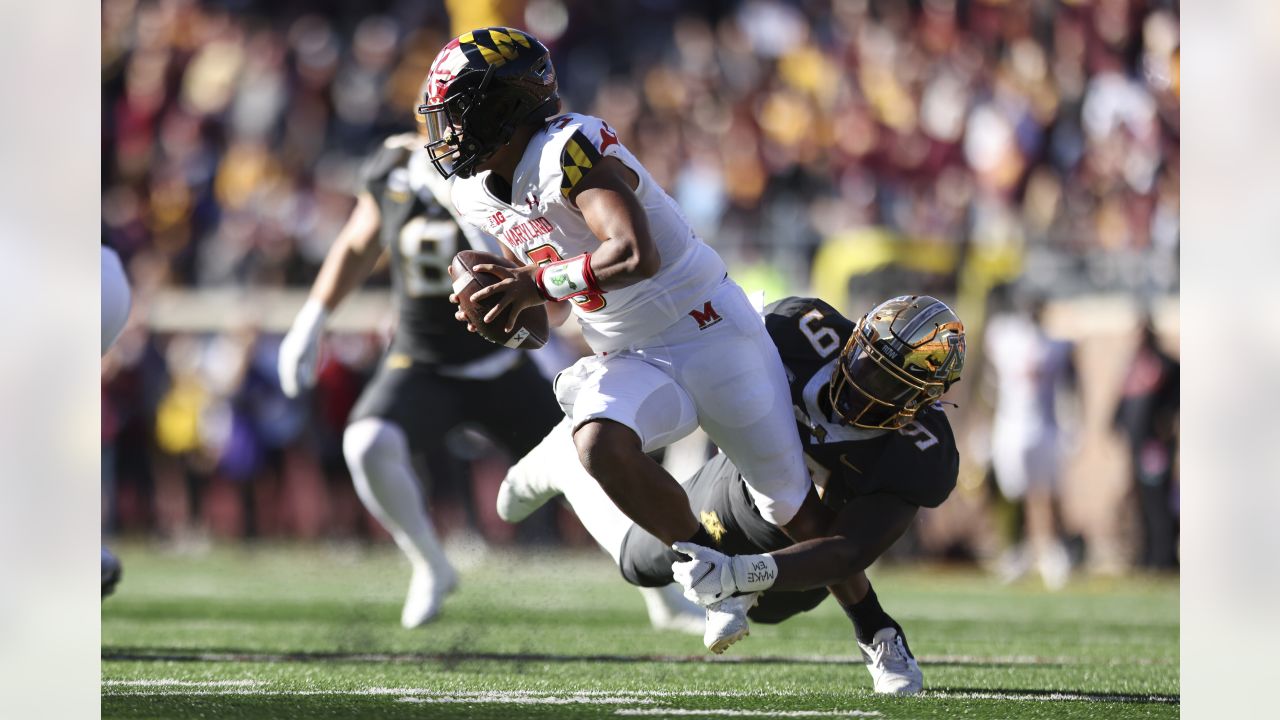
point(606, 523)
point(554, 463)
point(377, 454)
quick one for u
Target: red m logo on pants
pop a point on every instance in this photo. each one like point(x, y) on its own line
point(706, 317)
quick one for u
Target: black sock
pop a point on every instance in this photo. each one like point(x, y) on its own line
point(869, 618)
point(701, 537)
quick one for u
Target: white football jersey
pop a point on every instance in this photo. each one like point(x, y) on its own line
point(541, 225)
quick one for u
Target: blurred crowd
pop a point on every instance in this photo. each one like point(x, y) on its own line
point(951, 144)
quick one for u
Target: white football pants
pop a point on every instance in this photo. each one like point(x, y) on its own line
point(716, 368)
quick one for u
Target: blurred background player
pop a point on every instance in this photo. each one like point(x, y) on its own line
point(1035, 389)
point(1147, 416)
point(435, 375)
point(676, 342)
point(878, 445)
point(116, 301)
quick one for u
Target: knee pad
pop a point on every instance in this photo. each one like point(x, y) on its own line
point(644, 560)
point(630, 392)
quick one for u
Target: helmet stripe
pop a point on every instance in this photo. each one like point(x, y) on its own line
point(921, 319)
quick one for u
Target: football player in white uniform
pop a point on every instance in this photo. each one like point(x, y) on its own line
point(435, 377)
point(677, 343)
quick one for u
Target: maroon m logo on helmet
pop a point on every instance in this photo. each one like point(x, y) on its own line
point(706, 317)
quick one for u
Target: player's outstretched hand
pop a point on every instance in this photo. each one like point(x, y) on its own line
point(711, 576)
point(707, 576)
point(516, 291)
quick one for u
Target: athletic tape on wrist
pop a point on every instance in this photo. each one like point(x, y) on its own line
point(566, 279)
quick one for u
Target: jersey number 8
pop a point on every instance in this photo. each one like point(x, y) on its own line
point(426, 249)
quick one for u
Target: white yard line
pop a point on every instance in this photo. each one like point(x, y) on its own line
point(566, 699)
point(1051, 697)
point(174, 682)
point(186, 688)
point(428, 695)
point(694, 712)
point(1029, 660)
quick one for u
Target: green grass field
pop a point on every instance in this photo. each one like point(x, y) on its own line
point(312, 632)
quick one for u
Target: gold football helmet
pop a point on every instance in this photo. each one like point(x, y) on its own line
point(903, 355)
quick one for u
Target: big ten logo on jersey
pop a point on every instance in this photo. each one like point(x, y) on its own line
point(426, 247)
point(495, 222)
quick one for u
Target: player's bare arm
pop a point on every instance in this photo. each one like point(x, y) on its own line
point(814, 521)
point(627, 254)
point(353, 255)
point(862, 531)
point(350, 260)
point(607, 199)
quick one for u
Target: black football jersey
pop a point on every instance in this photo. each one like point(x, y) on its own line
point(918, 462)
point(422, 236)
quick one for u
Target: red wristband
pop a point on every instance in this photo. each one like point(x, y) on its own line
point(566, 279)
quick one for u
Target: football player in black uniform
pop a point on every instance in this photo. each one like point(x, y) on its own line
point(435, 375)
point(878, 445)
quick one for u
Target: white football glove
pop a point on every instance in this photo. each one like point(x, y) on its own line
point(299, 355)
point(711, 576)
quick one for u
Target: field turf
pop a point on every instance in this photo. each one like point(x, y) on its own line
point(313, 632)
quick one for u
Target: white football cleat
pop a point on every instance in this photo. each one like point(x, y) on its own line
point(727, 622)
point(427, 591)
point(893, 670)
point(523, 491)
point(669, 609)
point(1054, 565)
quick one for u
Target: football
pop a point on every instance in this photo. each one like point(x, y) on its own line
point(532, 328)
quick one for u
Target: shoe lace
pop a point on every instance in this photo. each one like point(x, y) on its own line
point(891, 655)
